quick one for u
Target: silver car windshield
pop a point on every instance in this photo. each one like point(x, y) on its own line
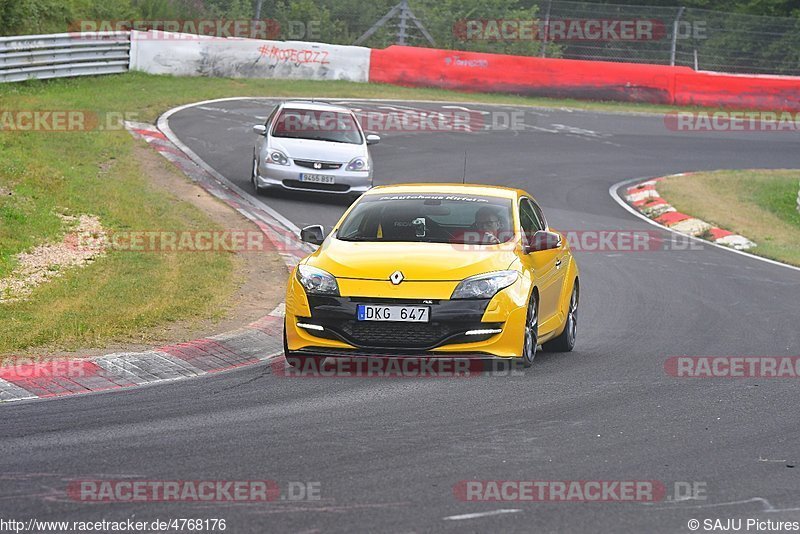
point(331, 126)
point(431, 218)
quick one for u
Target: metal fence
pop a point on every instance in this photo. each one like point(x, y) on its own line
point(697, 38)
point(63, 55)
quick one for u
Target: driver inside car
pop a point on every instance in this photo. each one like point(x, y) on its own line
point(489, 226)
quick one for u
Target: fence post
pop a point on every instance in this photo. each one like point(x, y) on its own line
point(675, 35)
point(546, 28)
point(401, 29)
point(798, 200)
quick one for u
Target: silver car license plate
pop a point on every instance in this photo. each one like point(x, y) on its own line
point(406, 314)
point(317, 178)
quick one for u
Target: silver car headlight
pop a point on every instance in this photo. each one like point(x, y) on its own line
point(484, 286)
point(358, 164)
point(276, 157)
point(316, 281)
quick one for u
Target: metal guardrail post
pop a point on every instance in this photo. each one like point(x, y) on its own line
point(675, 36)
point(546, 28)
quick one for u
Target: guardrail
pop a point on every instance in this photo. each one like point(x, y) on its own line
point(63, 55)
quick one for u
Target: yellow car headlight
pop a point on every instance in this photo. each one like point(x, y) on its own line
point(316, 281)
point(484, 286)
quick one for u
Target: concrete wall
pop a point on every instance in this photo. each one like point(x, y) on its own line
point(184, 55)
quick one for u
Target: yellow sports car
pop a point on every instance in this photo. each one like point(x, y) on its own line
point(434, 270)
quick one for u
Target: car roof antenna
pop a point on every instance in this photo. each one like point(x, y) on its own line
point(464, 177)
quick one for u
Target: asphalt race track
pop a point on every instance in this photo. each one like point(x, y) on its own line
point(387, 452)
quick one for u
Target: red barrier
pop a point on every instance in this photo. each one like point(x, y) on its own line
point(565, 78)
point(776, 93)
point(474, 71)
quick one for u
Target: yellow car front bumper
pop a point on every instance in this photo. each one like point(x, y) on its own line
point(445, 335)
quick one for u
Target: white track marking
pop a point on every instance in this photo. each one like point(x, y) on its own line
point(579, 131)
point(462, 108)
point(540, 129)
point(393, 108)
point(481, 514)
point(767, 506)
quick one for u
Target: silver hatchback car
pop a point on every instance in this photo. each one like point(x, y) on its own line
point(312, 146)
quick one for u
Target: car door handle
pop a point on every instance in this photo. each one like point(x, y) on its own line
point(558, 263)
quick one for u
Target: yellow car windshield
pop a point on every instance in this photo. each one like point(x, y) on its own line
point(431, 218)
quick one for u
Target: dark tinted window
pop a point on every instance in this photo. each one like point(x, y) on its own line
point(528, 218)
point(539, 215)
point(333, 126)
point(429, 217)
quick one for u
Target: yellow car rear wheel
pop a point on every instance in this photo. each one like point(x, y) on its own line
point(566, 341)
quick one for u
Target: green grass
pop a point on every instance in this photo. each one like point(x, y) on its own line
point(124, 295)
point(758, 204)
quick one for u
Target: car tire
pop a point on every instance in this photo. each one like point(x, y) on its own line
point(531, 338)
point(300, 361)
point(566, 341)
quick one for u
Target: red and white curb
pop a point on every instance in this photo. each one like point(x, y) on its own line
point(644, 197)
point(259, 341)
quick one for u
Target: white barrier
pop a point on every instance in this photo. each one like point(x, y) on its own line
point(192, 55)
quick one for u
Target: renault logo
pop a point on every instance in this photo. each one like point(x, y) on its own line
point(396, 277)
point(317, 165)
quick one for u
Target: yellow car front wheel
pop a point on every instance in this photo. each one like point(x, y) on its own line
point(531, 340)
